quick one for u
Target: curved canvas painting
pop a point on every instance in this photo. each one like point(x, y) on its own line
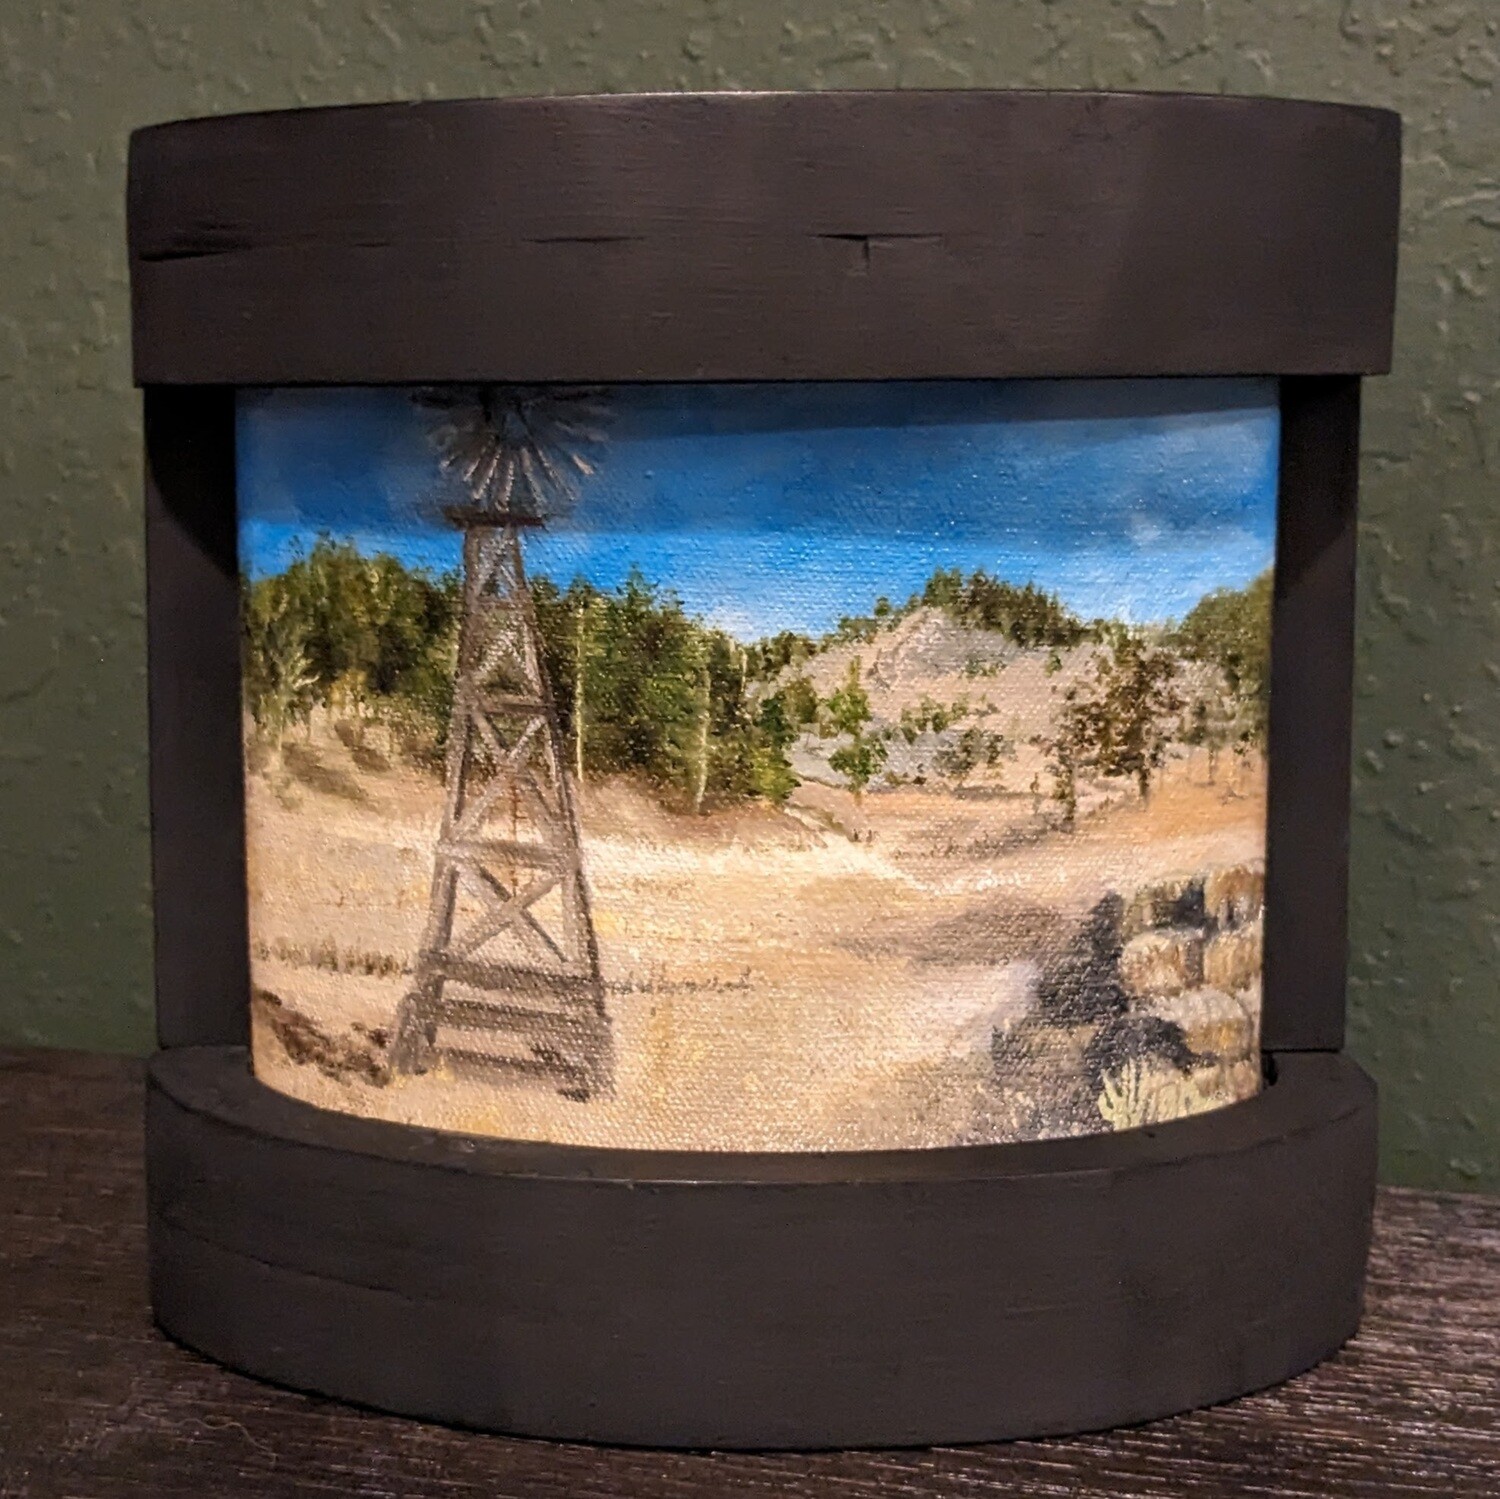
point(758, 767)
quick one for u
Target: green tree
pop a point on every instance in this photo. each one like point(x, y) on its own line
point(1065, 752)
point(849, 704)
point(945, 590)
point(278, 676)
point(376, 638)
point(861, 758)
point(666, 698)
point(855, 629)
point(858, 762)
point(1024, 614)
point(800, 700)
point(1213, 726)
point(974, 747)
point(770, 770)
point(768, 658)
point(1121, 721)
point(1141, 703)
point(1231, 629)
point(643, 678)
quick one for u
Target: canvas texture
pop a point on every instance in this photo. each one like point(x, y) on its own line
point(753, 767)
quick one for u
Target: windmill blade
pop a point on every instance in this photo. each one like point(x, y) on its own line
point(461, 450)
point(507, 483)
point(557, 478)
point(469, 467)
point(485, 475)
point(550, 493)
point(534, 484)
point(578, 432)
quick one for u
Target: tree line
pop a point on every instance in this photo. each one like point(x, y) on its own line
point(366, 636)
point(643, 688)
point(639, 686)
point(1025, 614)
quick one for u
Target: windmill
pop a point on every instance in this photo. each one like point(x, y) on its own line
point(509, 951)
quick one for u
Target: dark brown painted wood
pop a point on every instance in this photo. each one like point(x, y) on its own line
point(766, 236)
point(193, 676)
point(1312, 680)
point(95, 1401)
point(707, 1300)
point(798, 1300)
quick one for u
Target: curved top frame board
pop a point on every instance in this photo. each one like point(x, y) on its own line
point(761, 236)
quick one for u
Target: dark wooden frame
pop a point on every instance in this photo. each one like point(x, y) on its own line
point(193, 691)
point(1312, 683)
point(682, 1299)
point(718, 1298)
point(838, 236)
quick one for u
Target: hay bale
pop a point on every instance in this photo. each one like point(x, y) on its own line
point(1228, 1025)
point(1232, 959)
point(1235, 896)
point(1163, 962)
point(1177, 901)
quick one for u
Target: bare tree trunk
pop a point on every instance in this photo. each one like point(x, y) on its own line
point(1067, 792)
point(700, 786)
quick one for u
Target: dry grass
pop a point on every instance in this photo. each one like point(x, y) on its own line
point(828, 976)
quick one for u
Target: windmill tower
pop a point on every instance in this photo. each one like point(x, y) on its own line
point(508, 953)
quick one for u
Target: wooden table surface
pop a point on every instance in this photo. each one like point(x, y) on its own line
point(95, 1403)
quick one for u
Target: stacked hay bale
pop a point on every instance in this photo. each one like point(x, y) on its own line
point(1158, 991)
point(1191, 953)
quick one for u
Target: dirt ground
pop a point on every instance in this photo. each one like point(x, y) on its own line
point(827, 976)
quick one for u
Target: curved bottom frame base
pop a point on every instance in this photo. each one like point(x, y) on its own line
point(694, 1300)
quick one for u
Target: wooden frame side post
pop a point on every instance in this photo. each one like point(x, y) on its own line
point(197, 784)
point(1312, 685)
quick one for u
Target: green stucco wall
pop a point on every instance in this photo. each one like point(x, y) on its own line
point(74, 932)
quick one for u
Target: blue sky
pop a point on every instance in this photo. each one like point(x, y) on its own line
point(772, 507)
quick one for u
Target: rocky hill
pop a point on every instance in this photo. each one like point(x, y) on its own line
point(930, 678)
